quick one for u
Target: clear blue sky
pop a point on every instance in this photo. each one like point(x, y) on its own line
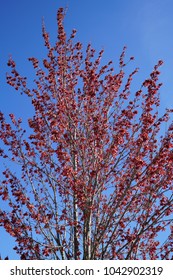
point(145, 27)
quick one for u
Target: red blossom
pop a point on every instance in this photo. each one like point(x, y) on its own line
point(93, 180)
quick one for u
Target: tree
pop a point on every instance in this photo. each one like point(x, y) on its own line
point(95, 179)
point(6, 258)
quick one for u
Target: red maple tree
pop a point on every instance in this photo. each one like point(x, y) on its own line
point(95, 180)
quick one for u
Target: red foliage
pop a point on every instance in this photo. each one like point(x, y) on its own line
point(95, 179)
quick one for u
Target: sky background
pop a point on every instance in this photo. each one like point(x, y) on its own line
point(145, 27)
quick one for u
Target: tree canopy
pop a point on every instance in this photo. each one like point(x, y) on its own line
point(96, 177)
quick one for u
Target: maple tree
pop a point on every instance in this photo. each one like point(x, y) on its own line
point(96, 179)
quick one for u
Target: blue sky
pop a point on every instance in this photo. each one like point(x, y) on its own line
point(145, 27)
